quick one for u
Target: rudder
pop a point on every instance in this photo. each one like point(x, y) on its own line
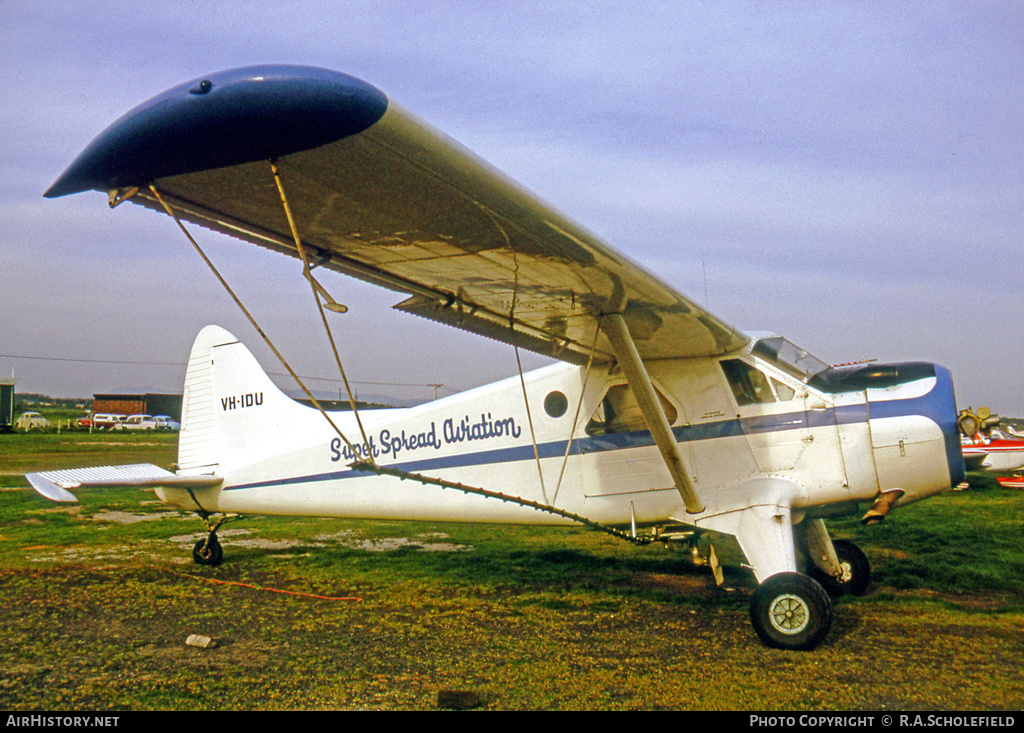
point(197, 444)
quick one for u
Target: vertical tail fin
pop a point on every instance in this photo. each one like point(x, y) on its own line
point(231, 410)
point(233, 414)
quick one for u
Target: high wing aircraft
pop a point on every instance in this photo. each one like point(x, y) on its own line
point(658, 421)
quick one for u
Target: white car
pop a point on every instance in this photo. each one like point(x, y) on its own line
point(105, 421)
point(166, 422)
point(31, 421)
point(138, 422)
point(149, 422)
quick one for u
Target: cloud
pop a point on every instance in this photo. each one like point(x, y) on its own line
point(832, 167)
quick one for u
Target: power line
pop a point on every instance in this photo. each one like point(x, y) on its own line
point(435, 386)
point(90, 361)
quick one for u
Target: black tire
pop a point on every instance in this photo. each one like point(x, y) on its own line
point(791, 611)
point(856, 571)
point(208, 551)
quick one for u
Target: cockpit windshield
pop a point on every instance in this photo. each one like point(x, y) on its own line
point(789, 357)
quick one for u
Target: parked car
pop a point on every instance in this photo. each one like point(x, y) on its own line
point(166, 422)
point(31, 421)
point(138, 422)
point(85, 421)
point(106, 421)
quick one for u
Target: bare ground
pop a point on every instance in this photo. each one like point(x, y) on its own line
point(109, 634)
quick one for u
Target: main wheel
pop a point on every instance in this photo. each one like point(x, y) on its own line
point(208, 551)
point(791, 611)
point(856, 571)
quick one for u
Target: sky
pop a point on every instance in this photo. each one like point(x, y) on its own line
point(847, 174)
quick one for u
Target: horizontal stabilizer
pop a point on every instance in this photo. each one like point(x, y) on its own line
point(54, 485)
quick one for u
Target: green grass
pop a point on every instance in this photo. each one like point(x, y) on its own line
point(35, 451)
point(383, 615)
point(964, 542)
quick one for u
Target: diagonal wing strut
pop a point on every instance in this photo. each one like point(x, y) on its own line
point(614, 327)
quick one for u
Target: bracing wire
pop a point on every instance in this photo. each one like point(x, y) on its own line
point(318, 292)
point(249, 316)
point(576, 416)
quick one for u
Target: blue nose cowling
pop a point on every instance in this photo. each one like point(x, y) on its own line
point(945, 414)
point(938, 405)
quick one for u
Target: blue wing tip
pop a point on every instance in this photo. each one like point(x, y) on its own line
point(227, 118)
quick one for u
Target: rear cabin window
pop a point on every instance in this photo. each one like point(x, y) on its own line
point(620, 413)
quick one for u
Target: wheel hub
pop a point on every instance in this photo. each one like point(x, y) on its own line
point(789, 614)
point(847, 573)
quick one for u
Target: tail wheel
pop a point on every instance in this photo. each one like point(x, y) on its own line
point(856, 571)
point(208, 551)
point(791, 611)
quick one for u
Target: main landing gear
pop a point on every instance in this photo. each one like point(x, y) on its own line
point(791, 611)
point(794, 611)
point(856, 571)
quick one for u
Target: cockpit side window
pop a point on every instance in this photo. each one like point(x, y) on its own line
point(620, 413)
point(749, 385)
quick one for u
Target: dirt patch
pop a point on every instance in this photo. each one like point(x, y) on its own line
point(128, 518)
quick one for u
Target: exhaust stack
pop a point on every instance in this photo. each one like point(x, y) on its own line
point(882, 506)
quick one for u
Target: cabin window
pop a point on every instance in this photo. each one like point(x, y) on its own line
point(556, 403)
point(784, 391)
point(620, 413)
point(749, 385)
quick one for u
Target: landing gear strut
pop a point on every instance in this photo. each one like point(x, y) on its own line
point(856, 573)
point(208, 551)
point(847, 571)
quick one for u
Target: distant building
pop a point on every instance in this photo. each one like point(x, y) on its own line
point(6, 405)
point(138, 404)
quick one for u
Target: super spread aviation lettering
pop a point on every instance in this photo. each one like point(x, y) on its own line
point(392, 443)
point(659, 419)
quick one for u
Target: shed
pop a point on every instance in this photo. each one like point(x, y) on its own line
point(6, 405)
point(138, 404)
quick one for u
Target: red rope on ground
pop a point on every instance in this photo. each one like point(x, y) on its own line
point(275, 590)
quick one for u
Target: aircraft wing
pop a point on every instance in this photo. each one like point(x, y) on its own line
point(379, 195)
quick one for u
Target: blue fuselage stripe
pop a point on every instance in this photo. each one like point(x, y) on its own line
point(934, 405)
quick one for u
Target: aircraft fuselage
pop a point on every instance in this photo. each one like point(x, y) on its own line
point(580, 445)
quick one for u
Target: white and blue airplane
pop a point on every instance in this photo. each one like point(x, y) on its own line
point(659, 420)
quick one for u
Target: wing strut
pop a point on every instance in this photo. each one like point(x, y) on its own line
point(614, 327)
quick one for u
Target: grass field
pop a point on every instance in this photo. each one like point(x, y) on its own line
point(99, 598)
